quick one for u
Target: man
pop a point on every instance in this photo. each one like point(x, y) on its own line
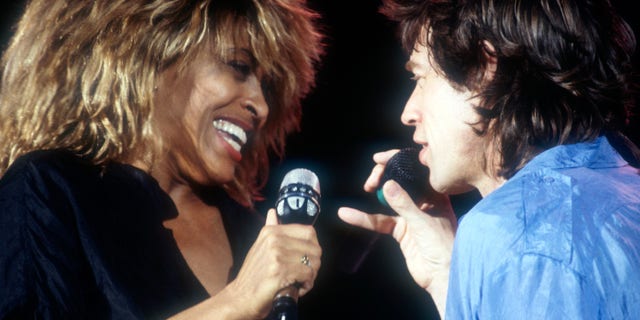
point(523, 101)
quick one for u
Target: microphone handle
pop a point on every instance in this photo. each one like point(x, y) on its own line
point(285, 304)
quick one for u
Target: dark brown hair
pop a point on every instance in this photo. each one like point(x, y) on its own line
point(563, 66)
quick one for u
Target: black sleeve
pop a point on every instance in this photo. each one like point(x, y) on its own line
point(43, 273)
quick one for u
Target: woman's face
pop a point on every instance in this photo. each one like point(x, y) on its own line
point(206, 114)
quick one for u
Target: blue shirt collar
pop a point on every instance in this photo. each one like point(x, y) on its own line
point(595, 154)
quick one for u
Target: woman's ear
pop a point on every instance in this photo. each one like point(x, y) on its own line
point(491, 60)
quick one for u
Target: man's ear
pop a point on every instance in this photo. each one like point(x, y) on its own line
point(491, 59)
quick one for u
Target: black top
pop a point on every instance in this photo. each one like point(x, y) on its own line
point(80, 241)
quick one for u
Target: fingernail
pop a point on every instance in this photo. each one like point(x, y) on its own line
point(391, 188)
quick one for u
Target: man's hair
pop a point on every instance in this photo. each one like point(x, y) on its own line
point(563, 66)
point(80, 75)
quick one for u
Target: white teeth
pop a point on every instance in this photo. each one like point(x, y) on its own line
point(233, 130)
point(233, 143)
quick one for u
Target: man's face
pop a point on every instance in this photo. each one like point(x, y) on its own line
point(443, 117)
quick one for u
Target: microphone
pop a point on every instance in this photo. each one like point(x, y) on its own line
point(299, 197)
point(405, 168)
point(298, 202)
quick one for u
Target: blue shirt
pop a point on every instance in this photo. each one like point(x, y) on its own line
point(559, 240)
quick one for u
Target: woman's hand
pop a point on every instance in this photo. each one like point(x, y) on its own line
point(275, 261)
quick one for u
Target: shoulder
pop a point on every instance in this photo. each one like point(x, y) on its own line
point(531, 214)
point(46, 163)
point(57, 184)
point(37, 225)
point(41, 183)
point(46, 179)
point(46, 171)
point(51, 157)
point(563, 214)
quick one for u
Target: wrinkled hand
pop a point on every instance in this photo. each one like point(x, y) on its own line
point(424, 231)
point(273, 263)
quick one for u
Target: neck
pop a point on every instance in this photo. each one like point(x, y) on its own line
point(489, 185)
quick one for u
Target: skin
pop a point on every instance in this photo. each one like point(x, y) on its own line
point(193, 98)
point(457, 158)
point(188, 101)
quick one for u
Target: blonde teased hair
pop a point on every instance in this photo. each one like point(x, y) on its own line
point(79, 75)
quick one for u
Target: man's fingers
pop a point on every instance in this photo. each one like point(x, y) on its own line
point(380, 158)
point(376, 222)
point(373, 181)
point(384, 156)
point(398, 199)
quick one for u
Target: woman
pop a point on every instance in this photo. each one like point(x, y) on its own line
point(136, 136)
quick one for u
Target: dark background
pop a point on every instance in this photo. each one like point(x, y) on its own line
point(353, 112)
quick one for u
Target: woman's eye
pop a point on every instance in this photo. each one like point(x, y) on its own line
point(244, 69)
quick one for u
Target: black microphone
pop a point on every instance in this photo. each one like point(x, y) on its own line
point(298, 202)
point(405, 168)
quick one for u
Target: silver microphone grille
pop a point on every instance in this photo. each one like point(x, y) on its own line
point(302, 176)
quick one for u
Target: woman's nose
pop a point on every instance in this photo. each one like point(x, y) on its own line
point(256, 103)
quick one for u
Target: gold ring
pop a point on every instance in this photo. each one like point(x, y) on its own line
point(305, 260)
